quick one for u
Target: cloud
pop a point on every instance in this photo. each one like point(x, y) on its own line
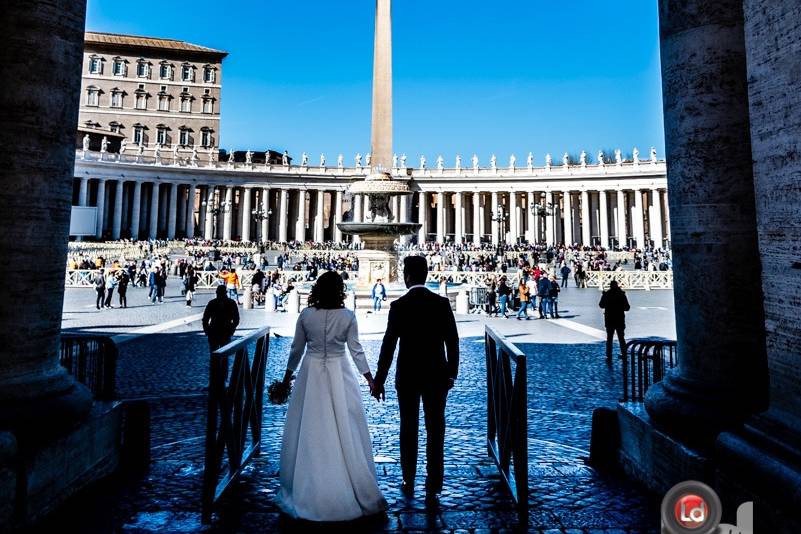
point(310, 101)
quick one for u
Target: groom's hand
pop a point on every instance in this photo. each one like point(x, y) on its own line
point(378, 392)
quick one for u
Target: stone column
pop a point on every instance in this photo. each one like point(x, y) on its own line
point(136, 209)
point(567, 199)
point(180, 227)
point(458, 227)
point(638, 221)
point(403, 209)
point(513, 215)
point(319, 226)
point(621, 218)
point(422, 216)
point(172, 214)
point(721, 376)
point(247, 215)
point(101, 207)
point(656, 218)
point(495, 224)
point(153, 228)
point(265, 208)
point(381, 139)
point(300, 224)
point(550, 229)
point(228, 213)
point(586, 223)
point(210, 217)
point(190, 211)
point(440, 217)
point(338, 215)
point(366, 215)
point(41, 53)
point(478, 213)
point(530, 217)
point(116, 224)
point(358, 205)
point(283, 213)
point(83, 191)
point(604, 218)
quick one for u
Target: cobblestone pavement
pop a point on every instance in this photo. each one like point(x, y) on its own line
point(566, 382)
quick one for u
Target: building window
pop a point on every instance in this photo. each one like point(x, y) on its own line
point(208, 105)
point(205, 138)
point(141, 101)
point(142, 69)
point(161, 135)
point(164, 103)
point(165, 71)
point(95, 65)
point(118, 67)
point(116, 99)
point(187, 73)
point(92, 96)
point(209, 74)
point(139, 135)
point(184, 137)
point(186, 104)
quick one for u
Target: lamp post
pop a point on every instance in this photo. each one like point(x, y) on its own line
point(224, 207)
point(500, 216)
point(260, 215)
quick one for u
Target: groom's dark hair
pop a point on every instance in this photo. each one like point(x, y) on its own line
point(415, 268)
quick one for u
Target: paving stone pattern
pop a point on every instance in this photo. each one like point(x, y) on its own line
point(565, 383)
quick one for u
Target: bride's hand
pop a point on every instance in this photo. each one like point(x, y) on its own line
point(370, 381)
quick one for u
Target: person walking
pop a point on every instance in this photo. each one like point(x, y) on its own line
point(379, 294)
point(123, 279)
point(99, 282)
point(543, 292)
point(503, 295)
point(428, 364)
point(615, 305)
point(525, 297)
point(220, 319)
point(492, 297)
point(190, 280)
point(152, 283)
point(553, 298)
point(565, 272)
point(161, 283)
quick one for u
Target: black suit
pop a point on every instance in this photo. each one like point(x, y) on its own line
point(428, 361)
point(220, 319)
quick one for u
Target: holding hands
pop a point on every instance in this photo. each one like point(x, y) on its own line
point(376, 391)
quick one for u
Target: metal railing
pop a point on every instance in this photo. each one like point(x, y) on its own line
point(92, 360)
point(645, 362)
point(507, 422)
point(234, 418)
point(646, 280)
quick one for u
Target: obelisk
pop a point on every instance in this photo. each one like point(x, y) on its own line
point(381, 141)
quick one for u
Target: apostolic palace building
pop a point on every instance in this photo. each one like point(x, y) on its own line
point(148, 160)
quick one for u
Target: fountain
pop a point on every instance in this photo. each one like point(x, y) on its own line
point(379, 230)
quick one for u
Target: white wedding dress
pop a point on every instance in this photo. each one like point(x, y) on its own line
point(327, 469)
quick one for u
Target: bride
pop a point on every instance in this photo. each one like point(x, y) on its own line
point(327, 470)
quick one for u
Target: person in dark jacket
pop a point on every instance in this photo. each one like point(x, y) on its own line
point(99, 282)
point(122, 287)
point(553, 298)
point(544, 292)
point(220, 319)
point(428, 363)
point(615, 305)
point(503, 296)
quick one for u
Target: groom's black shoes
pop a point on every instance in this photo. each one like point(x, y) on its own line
point(432, 501)
point(407, 488)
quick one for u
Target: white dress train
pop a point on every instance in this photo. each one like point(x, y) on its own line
point(327, 469)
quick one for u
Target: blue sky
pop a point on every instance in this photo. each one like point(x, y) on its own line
point(470, 76)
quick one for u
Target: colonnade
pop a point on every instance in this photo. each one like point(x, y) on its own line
point(161, 209)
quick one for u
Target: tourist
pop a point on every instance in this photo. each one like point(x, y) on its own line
point(123, 278)
point(190, 281)
point(553, 298)
point(525, 297)
point(615, 305)
point(99, 282)
point(503, 295)
point(565, 271)
point(379, 294)
point(544, 292)
point(220, 319)
point(153, 284)
point(327, 472)
point(232, 284)
point(161, 282)
point(492, 309)
point(111, 283)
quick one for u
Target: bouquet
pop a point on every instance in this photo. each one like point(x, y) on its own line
point(278, 393)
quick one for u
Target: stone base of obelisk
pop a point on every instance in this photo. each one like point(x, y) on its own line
point(375, 265)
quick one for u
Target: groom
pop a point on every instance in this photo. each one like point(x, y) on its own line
point(428, 361)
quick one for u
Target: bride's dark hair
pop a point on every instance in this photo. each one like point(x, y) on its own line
point(328, 293)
